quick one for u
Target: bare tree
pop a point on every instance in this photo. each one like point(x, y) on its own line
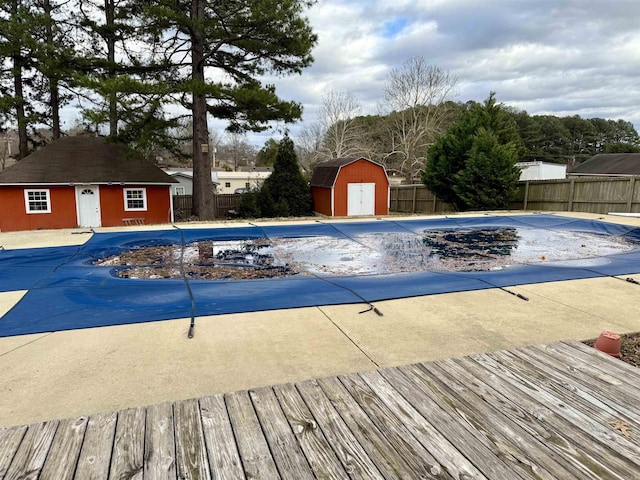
point(237, 149)
point(309, 145)
point(337, 120)
point(215, 140)
point(414, 99)
point(6, 151)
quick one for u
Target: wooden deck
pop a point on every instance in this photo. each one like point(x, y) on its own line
point(549, 412)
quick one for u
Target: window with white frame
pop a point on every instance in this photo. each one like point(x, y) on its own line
point(37, 201)
point(179, 190)
point(135, 199)
point(227, 184)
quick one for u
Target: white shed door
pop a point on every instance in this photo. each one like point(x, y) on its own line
point(361, 198)
point(88, 206)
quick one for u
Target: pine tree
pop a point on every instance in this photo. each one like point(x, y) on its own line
point(55, 61)
point(488, 180)
point(286, 186)
point(240, 40)
point(285, 193)
point(472, 165)
point(19, 20)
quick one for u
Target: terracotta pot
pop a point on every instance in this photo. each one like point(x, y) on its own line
point(609, 342)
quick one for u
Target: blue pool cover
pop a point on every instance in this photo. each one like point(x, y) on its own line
point(67, 291)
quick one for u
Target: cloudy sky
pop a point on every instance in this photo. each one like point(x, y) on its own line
point(558, 57)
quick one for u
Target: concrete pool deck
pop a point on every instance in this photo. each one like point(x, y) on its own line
point(71, 373)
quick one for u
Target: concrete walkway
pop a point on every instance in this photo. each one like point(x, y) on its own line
point(72, 373)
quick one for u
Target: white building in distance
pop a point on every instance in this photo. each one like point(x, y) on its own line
point(185, 177)
point(541, 171)
point(241, 182)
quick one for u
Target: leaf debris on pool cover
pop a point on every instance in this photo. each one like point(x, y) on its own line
point(457, 250)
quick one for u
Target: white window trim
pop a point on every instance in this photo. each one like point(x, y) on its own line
point(26, 200)
point(180, 190)
point(144, 199)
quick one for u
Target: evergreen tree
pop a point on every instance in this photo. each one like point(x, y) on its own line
point(285, 193)
point(489, 178)
point(55, 61)
point(19, 20)
point(286, 186)
point(238, 41)
point(472, 165)
point(128, 85)
point(266, 157)
point(446, 157)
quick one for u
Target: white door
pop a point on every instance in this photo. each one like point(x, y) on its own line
point(361, 198)
point(88, 206)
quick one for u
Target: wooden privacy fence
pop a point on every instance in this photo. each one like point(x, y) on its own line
point(225, 205)
point(578, 194)
point(416, 199)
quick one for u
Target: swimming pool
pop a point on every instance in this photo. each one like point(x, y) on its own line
point(319, 263)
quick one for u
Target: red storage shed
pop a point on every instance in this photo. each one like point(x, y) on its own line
point(86, 182)
point(350, 186)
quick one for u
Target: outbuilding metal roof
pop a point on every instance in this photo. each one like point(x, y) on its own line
point(325, 174)
point(610, 164)
point(84, 160)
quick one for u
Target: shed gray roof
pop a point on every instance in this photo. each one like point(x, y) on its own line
point(325, 174)
point(610, 164)
point(84, 160)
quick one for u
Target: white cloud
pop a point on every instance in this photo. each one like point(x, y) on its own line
point(559, 57)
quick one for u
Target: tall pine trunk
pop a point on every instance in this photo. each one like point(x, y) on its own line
point(21, 119)
point(54, 93)
point(110, 39)
point(202, 184)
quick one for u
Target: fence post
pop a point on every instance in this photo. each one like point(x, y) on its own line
point(632, 188)
point(435, 202)
point(526, 195)
point(413, 204)
point(572, 186)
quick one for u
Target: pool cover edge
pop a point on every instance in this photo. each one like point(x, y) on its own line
point(66, 292)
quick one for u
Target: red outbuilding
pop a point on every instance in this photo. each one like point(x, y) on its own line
point(350, 186)
point(86, 182)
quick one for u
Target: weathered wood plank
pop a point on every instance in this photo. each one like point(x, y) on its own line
point(224, 459)
point(526, 446)
point(572, 445)
point(321, 457)
point(254, 451)
point(593, 455)
point(592, 366)
point(536, 412)
point(191, 453)
point(28, 461)
point(95, 456)
point(480, 445)
point(63, 456)
point(371, 421)
point(159, 443)
point(10, 439)
point(582, 414)
point(284, 448)
point(604, 371)
point(443, 451)
point(582, 385)
point(127, 460)
point(349, 451)
point(601, 361)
